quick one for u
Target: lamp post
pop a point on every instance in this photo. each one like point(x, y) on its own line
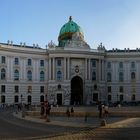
point(22, 107)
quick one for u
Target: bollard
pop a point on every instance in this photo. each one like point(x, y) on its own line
point(23, 114)
point(103, 122)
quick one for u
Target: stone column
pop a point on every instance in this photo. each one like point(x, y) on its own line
point(86, 68)
point(99, 70)
point(8, 77)
point(64, 68)
point(49, 68)
point(53, 68)
point(68, 69)
point(103, 68)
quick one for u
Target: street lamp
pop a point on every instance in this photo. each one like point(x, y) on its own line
point(22, 107)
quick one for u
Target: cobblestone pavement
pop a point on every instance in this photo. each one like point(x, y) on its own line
point(128, 129)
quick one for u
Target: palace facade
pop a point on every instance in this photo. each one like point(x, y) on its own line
point(68, 73)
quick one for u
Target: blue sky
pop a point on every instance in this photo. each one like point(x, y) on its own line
point(116, 23)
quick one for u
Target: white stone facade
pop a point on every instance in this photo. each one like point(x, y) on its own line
point(111, 75)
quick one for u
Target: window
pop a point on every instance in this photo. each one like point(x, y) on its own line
point(3, 74)
point(93, 76)
point(16, 61)
point(109, 89)
point(41, 63)
point(16, 75)
point(59, 86)
point(108, 65)
point(3, 60)
point(121, 97)
point(2, 99)
point(41, 89)
point(16, 99)
point(132, 75)
point(16, 89)
point(58, 62)
point(59, 75)
point(121, 89)
point(95, 87)
point(29, 99)
point(132, 65)
point(121, 76)
point(3, 88)
point(29, 62)
point(41, 98)
point(29, 89)
point(108, 77)
point(93, 63)
point(109, 98)
point(42, 76)
point(29, 75)
point(133, 97)
point(121, 65)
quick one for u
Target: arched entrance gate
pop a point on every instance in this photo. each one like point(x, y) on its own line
point(76, 91)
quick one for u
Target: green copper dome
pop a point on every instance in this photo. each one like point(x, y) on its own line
point(67, 31)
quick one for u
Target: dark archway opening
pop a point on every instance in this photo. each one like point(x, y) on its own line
point(76, 91)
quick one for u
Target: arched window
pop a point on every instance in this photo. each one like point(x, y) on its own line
point(16, 75)
point(3, 74)
point(93, 76)
point(108, 77)
point(121, 76)
point(59, 75)
point(29, 75)
point(133, 76)
point(42, 76)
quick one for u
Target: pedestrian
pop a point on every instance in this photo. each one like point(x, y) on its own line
point(47, 111)
point(106, 112)
point(100, 110)
point(72, 111)
point(42, 110)
point(68, 112)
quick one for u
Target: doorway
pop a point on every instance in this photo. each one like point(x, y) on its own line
point(76, 91)
point(59, 99)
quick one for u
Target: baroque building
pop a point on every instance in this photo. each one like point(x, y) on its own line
point(68, 73)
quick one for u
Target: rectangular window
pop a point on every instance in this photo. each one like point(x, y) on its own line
point(16, 89)
point(121, 65)
point(58, 62)
point(121, 89)
point(29, 62)
point(132, 65)
point(109, 89)
point(42, 89)
point(94, 63)
point(3, 88)
point(16, 61)
point(3, 59)
point(41, 63)
point(29, 89)
point(108, 65)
